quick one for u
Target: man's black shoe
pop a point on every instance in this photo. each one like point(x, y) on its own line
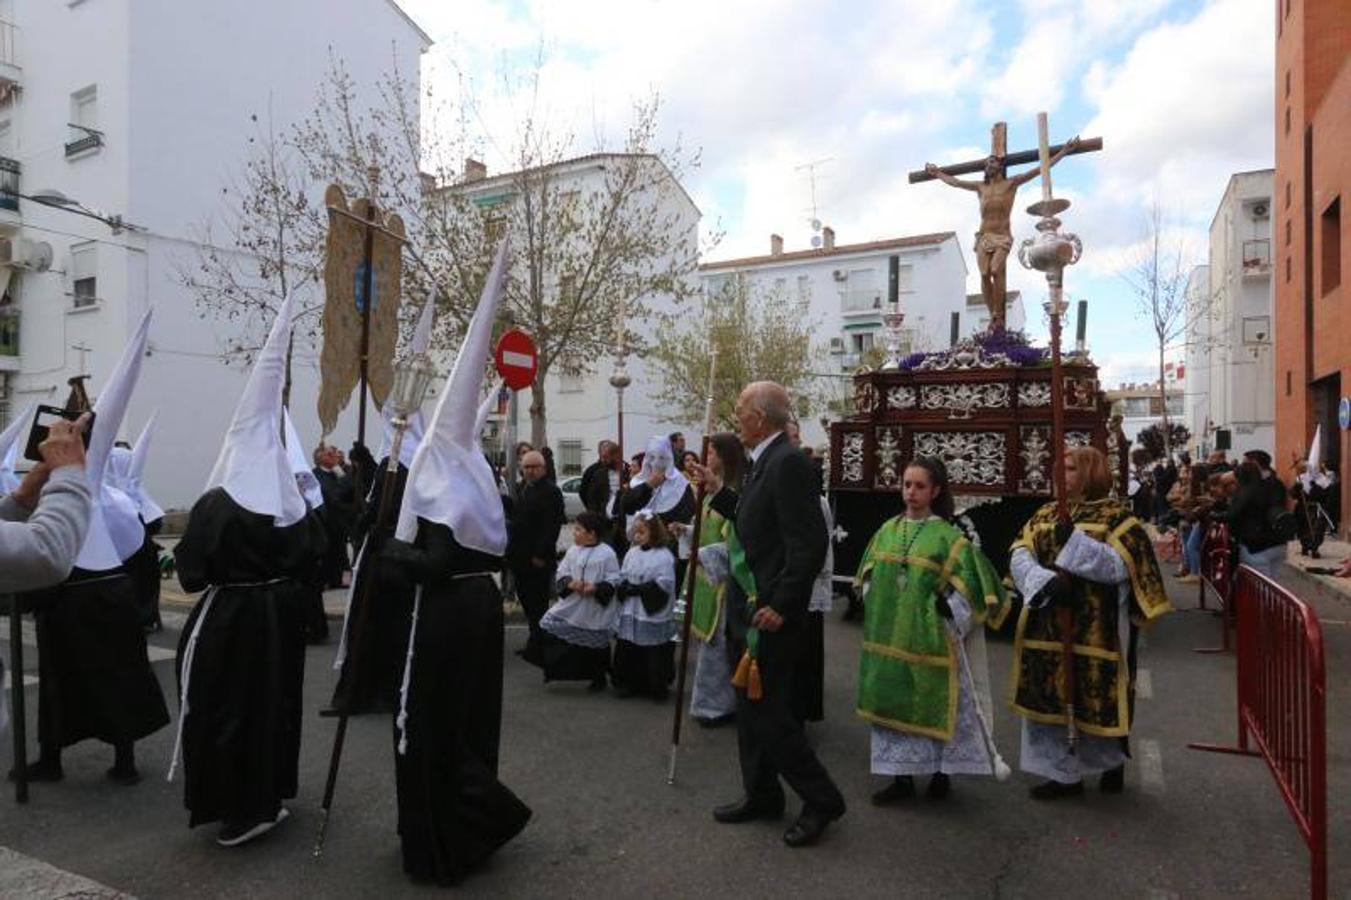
point(807, 830)
point(1113, 781)
point(744, 810)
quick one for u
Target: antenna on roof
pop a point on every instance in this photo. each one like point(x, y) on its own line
point(815, 220)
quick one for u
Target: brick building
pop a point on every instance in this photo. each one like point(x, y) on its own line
point(1312, 252)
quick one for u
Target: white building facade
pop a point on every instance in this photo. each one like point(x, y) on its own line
point(141, 109)
point(1229, 344)
point(582, 410)
point(848, 287)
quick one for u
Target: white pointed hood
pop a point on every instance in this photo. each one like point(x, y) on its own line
point(149, 509)
point(450, 481)
point(115, 530)
point(412, 436)
point(300, 467)
point(252, 466)
point(11, 441)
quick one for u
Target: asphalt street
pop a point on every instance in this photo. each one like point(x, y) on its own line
point(605, 821)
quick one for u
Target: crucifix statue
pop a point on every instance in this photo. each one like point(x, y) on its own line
point(996, 192)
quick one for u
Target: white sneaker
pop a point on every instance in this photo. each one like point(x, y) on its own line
point(229, 837)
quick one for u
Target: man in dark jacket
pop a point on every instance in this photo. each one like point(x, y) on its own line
point(600, 479)
point(337, 513)
point(779, 521)
point(532, 548)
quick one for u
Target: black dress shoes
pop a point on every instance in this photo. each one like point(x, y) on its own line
point(748, 810)
point(808, 828)
point(1113, 781)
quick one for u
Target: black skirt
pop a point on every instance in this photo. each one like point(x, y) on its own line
point(645, 670)
point(95, 679)
point(453, 812)
point(572, 662)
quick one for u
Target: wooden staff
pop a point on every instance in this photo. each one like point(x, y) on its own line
point(18, 722)
point(360, 629)
point(1064, 615)
point(692, 570)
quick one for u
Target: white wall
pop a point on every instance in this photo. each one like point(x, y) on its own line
point(1238, 367)
point(177, 83)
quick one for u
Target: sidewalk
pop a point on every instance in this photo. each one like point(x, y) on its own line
point(1327, 588)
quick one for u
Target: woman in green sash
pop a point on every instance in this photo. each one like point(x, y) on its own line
point(713, 701)
point(923, 679)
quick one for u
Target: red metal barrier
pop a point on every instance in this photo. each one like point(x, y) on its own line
point(1218, 558)
point(1281, 700)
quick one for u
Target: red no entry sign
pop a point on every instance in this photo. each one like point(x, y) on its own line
point(517, 359)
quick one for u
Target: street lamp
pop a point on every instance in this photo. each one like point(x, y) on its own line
point(56, 200)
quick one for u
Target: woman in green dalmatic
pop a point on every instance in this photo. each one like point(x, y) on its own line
point(923, 681)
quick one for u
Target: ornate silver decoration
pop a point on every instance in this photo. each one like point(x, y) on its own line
point(962, 356)
point(972, 457)
point(900, 396)
point(863, 396)
point(1034, 393)
point(1114, 461)
point(960, 399)
point(888, 457)
point(851, 457)
point(1035, 451)
point(1078, 439)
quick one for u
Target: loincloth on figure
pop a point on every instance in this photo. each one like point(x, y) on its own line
point(989, 243)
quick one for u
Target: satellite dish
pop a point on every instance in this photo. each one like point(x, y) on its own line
point(816, 224)
point(816, 241)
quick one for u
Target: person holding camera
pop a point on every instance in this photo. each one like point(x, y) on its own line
point(44, 520)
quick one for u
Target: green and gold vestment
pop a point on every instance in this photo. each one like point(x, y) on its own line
point(908, 670)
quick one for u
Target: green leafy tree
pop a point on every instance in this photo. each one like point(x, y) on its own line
point(759, 335)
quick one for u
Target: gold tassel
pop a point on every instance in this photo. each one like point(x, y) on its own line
point(743, 670)
point(755, 690)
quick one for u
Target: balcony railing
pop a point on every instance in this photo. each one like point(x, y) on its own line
point(9, 184)
point(83, 139)
point(1257, 256)
point(9, 332)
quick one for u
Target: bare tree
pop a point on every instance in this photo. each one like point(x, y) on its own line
point(599, 241)
point(1157, 274)
point(759, 335)
point(589, 254)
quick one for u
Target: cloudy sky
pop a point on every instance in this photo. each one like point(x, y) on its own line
point(1181, 91)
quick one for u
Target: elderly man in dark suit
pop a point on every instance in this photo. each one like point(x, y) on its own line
point(779, 521)
point(532, 545)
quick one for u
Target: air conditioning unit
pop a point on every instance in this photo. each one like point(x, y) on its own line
point(23, 253)
point(836, 346)
point(840, 275)
point(1260, 211)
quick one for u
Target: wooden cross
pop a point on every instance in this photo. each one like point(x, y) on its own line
point(996, 192)
point(999, 139)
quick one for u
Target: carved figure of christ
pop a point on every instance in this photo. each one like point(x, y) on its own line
point(996, 193)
